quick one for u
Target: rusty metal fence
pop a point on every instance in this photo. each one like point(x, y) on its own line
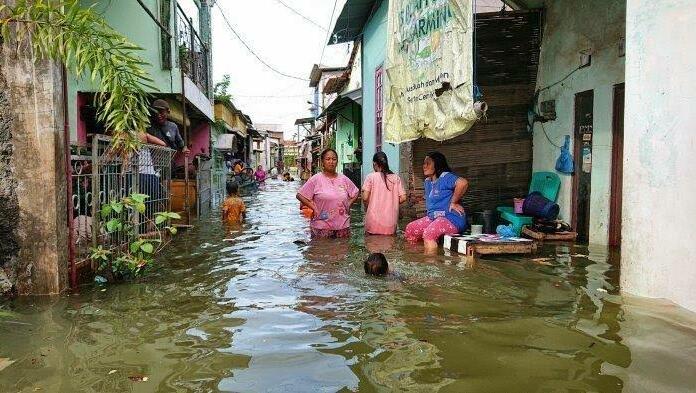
point(101, 177)
point(219, 180)
point(204, 169)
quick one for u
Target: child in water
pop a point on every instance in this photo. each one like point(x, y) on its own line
point(233, 208)
point(376, 264)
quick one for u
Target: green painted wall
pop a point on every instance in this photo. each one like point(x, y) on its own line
point(348, 134)
point(571, 27)
point(128, 18)
point(374, 53)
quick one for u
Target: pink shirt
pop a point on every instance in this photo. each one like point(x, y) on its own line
point(331, 197)
point(383, 206)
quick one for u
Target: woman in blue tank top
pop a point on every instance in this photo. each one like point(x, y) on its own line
point(445, 215)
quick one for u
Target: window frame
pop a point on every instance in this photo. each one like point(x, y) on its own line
point(379, 107)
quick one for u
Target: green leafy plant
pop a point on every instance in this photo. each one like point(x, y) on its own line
point(221, 90)
point(184, 59)
point(131, 261)
point(80, 38)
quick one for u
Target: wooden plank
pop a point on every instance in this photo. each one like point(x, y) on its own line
point(560, 236)
point(505, 248)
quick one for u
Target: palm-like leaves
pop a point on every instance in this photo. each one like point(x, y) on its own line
point(64, 31)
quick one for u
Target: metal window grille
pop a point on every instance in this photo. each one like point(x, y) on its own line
point(193, 53)
point(102, 177)
point(218, 180)
point(204, 185)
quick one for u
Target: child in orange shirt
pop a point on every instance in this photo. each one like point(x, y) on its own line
point(233, 208)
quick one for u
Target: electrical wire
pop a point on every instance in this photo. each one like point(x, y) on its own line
point(274, 96)
point(536, 104)
point(328, 32)
point(301, 15)
point(558, 82)
point(547, 136)
point(229, 25)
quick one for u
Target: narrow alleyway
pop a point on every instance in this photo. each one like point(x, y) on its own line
point(265, 310)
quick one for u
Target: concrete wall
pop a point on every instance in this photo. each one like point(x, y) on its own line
point(374, 50)
point(33, 200)
point(571, 27)
point(659, 204)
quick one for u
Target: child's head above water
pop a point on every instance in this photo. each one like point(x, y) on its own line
point(376, 264)
point(232, 188)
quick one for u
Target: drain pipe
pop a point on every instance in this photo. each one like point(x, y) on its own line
point(68, 177)
point(184, 116)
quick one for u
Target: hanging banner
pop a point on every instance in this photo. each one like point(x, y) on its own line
point(429, 70)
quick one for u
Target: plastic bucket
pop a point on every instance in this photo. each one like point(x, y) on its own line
point(518, 203)
point(536, 205)
point(489, 219)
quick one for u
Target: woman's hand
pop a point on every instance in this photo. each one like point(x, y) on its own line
point(457, 208)
point(310, 204)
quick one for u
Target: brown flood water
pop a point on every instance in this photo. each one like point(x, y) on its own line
point(253, 311)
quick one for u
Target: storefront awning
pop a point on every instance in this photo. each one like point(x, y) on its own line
point(254, 133)
point(336, 106)
point(239, 132)
point(352, 19)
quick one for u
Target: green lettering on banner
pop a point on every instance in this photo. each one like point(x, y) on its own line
point(420, 63)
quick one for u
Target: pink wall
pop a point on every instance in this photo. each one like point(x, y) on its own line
point(199, 143)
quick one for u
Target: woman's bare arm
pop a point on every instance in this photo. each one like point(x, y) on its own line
point(366, 197)
point(307, 202)
point(151, 139)
point(460, 188)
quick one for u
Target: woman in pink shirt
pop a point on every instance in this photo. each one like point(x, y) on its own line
point(260, 174)
point(329, 195)
point(382, 194)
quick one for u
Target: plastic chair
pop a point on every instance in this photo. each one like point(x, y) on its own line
point(547, 183)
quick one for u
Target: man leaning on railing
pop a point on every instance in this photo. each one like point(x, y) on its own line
point(164, 129)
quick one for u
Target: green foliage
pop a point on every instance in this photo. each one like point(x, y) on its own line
point(79, 37)
point(220, 91)
point(139, 254)
point(332, 141)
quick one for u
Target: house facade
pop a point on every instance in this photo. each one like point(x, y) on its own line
point(175, 39)
point(611, 77)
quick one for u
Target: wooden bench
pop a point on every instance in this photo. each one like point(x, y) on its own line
point(474, 248)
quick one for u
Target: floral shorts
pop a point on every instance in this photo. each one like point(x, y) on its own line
point(428, 229)
point(330, 233)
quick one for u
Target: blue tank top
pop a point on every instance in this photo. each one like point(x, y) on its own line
point(438, 195)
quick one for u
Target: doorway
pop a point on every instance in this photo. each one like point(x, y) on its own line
point(584, 127)
point(616, 166)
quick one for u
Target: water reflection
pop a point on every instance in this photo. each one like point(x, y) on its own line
point(263, 308)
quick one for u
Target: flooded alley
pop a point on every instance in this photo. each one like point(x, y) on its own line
point(266, 310)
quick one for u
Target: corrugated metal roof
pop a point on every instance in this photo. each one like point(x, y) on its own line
point(318, 70)
point(304, 120)
point(352, 19)
point(335, 85)
point(336, 106)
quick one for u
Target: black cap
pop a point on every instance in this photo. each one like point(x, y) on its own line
point(160, 104)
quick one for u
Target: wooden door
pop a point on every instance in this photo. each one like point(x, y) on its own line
point(584, 127)
point(616, 167)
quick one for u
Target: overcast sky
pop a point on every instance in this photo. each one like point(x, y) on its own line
point(287, 42)
point(284, 40)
